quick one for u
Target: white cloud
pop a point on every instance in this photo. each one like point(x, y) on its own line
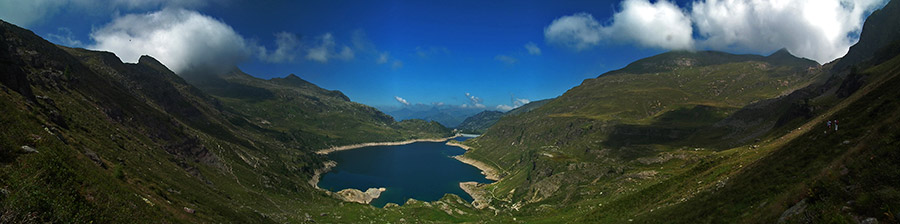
point(506, 59)
point(504, 108)
point(346, 53)
point(185, 41)
point(661, 24)
point(397, 64)
point(579, 31)
point(325, 49)
point(532, 48)
point(476, 102)
point(287, 45)
point(144, 4)
point(516, 103)
point(383, 58)
point(364, 46)
point(426, 52)
point(26, 13)
point(63, 36)
point(815, 29)
point(822, 30)
point(401, 100)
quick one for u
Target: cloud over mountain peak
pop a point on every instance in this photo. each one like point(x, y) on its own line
point(821, 30)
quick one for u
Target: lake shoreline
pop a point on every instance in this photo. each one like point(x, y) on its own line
point(353, 195)
point(317, 174)
point(361, 145)
point(489, 172)
point(466, 147)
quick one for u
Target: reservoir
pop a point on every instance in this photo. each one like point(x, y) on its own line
point(423, 171)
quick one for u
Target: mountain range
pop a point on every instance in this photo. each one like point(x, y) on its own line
point(680, 137)
point(478, 123)
point(447, 115)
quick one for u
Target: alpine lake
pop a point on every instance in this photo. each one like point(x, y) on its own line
point(424, 171)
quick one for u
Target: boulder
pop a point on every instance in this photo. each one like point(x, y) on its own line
point(28, 149)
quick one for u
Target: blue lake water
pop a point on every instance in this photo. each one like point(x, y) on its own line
point(424, 171)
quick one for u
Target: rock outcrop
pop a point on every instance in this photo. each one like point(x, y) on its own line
point(480, 198)
point(354, 195)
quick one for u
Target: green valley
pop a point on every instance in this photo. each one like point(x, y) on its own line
point(683, 136)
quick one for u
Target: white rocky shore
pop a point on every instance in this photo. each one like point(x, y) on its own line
point(466, 147)
point(354, 195)
point(356, 146)
point(489, 172)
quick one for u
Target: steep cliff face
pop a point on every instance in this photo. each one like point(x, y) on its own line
point(881, 30)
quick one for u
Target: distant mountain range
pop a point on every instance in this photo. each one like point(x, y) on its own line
point(478, 123)
point(447, 115)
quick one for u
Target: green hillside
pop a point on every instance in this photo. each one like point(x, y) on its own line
point(309, 116)
point(477, 124)
point(707, 137)
point(88, 138)
point(680, 137)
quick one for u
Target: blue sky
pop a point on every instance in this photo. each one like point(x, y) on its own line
point(436, 52)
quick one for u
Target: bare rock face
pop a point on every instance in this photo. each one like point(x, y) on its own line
point(481, 198)
point(354, 195)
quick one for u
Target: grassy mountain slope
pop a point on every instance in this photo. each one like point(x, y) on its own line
point(825, 175)
point(640, 109)
point(685, 138)
point(480, 122)
point(680, 137)
point(309, 116)
point(90, 139)
point(590, 144)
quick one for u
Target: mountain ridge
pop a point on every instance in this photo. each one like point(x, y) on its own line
point(92, 139)
point(596, 158)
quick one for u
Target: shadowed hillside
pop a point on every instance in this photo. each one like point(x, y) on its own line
point(88, 138)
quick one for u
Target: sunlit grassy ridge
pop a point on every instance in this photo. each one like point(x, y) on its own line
point(683, 138)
